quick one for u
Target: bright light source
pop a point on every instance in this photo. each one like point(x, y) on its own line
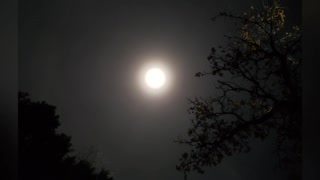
point(155, 78)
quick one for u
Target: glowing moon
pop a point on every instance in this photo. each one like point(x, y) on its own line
point(155, 78)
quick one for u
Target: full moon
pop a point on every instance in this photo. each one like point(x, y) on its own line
point(155, 78)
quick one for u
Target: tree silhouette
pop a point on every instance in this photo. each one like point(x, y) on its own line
point(259, 92)
point(45, 153)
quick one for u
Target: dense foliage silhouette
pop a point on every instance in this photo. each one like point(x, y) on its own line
point(258, 93)
point(43, 152)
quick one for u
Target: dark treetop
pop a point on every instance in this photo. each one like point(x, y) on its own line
point(44, 153)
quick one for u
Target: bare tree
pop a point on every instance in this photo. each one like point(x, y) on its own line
point(259, 92)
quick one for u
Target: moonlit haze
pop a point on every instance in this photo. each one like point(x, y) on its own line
point(120, 74)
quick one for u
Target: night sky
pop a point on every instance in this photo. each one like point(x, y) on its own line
point(86, 57)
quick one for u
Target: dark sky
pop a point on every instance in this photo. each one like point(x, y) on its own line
point(85, 58)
